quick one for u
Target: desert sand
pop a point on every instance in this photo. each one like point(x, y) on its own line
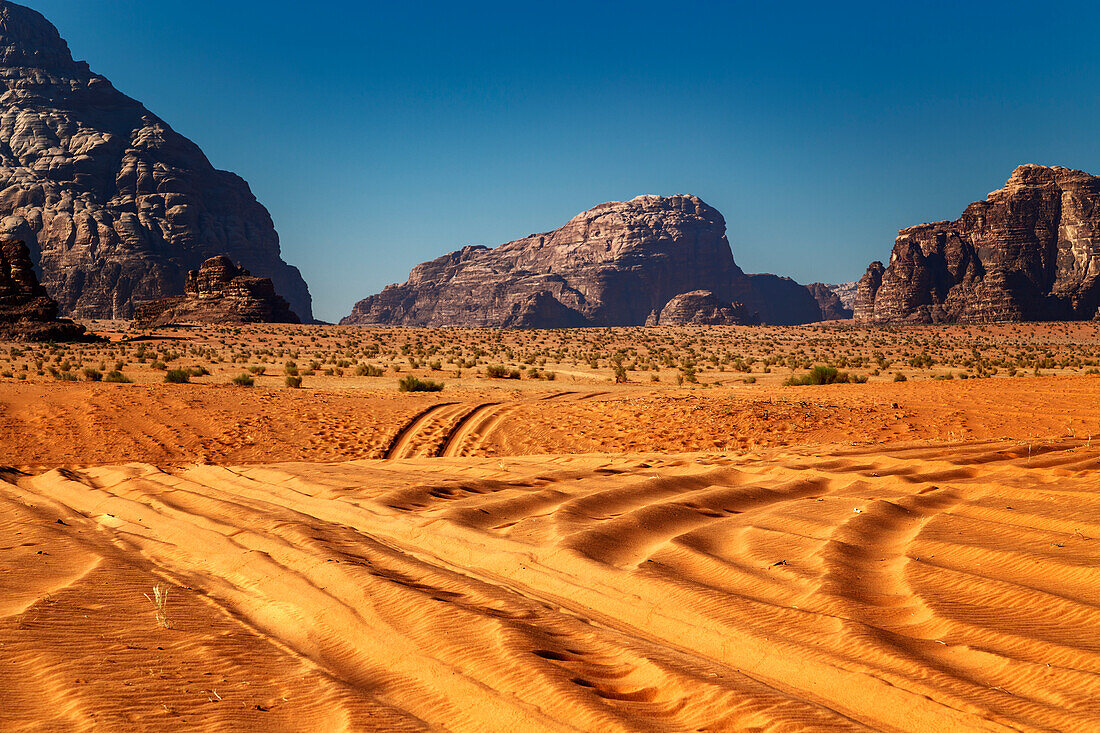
point(566, 555)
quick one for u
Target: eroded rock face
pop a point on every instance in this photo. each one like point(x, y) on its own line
point(26, 311)
point(1030, 251)
point(847, 293)
point(700, 308)
point(832, 308)
point(115, 205)
point(218, 292)
point(612, 265)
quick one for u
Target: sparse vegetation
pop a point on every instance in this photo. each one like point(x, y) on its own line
point(159, 600)
point(412, 384)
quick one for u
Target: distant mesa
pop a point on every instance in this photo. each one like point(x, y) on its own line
point(218, 292)
point(621, 263)
point(1029, 252)
point(115, 206)
point(700, 308)
point(27, 313)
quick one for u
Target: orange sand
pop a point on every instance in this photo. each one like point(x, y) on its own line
point(916, 556)
point(945, 588)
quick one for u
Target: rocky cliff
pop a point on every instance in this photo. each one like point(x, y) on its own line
point(26, 311)
point(218, 292)
point(115, 205)
point(829, 301)
point(612, 265)
point(1030, 251)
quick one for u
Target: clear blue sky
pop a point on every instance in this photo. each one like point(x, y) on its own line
point(380, 135)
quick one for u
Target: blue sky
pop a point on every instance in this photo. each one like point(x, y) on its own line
point(381, 135)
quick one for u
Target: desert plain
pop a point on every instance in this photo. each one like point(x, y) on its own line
point(594, 529)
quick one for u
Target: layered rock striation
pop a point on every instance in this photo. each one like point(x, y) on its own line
point(218, 292)
point(115, 205)
point(26, 311)
point(612, 265)
point(1030, 251)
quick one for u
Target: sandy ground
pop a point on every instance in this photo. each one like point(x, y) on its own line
point(576, 555)
point(75, 424)
point(944, 588)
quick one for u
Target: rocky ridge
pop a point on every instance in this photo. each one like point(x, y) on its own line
point(26, 311)
point(615, 264)
point(1030, 251)
point(699, 308)
point(218, 292)
point(115, 206)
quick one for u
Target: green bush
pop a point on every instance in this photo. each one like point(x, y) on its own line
point(367, 370)
point(412, 384)
point(293, 382)
point(899, 377)
point(93, 375)
point(243, 381)
point(177, 376)
point(116, 377)
point(825, 375)
point(497, 371)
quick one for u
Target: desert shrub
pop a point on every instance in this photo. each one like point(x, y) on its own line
point(257, 370)
point(243, 380)
point(367, 370)
point(899, 377)
point(177, 376)
point(825, 375)
point(93, 375)
point(65, 376)
point(749, 380)
point(198, 371)
point(160, 366)
point(497, 371)
point(116, 377)
point(412, 384)
point(293, 382)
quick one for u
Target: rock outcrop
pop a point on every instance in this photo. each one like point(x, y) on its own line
point(832, 308)
point(1030, 251)
point(613, 265)
point(27, 313)
point(847, 294)
point(700, 308)
point(115, 205)
point(866, 290)
point(218, 292)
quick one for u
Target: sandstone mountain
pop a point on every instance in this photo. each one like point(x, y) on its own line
point(699, 308)
point(218, 292)
point(115, 205)
point(615, 264)
point(1030, 251)
point(829, 300)
point(26, 311)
